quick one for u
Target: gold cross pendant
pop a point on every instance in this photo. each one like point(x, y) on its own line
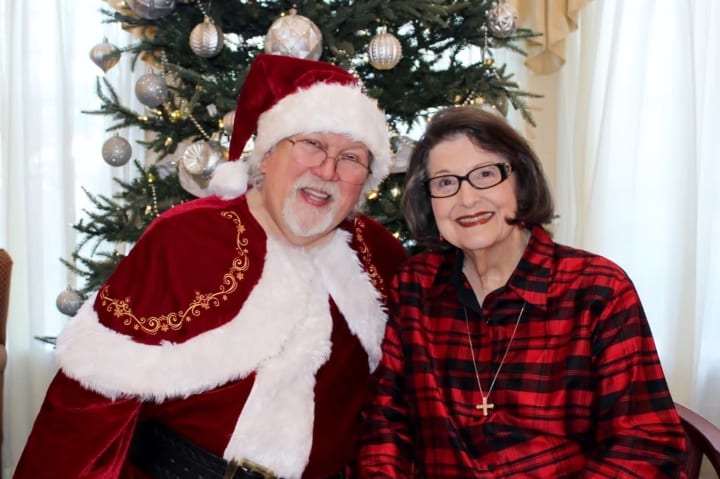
point(484, 406)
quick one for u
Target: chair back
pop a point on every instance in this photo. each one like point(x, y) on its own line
point(703, 441)
point(5, 270)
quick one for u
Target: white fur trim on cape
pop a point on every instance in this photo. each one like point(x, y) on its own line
point(282, 332)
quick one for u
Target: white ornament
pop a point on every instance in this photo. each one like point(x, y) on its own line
point(502, 20)
point(116, 151)
point(228, 122)
point(105, 55)
point(151, 9)
point(401, 160)
point(167, 166)
point(384, 50)
point(206, 39)
point(69, 301)
point(295, 36)
point(151, 89)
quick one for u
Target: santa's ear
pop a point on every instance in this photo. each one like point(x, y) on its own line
point(263, 161)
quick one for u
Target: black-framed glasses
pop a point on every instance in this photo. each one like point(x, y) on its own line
point(350, 167)
point(481, 178)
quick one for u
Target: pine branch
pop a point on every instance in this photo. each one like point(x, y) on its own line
point(434, 72)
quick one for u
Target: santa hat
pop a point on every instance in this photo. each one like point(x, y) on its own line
point(284, 96)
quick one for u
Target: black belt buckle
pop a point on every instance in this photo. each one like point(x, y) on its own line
point(246, 469)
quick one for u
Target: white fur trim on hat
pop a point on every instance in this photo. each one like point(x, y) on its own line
point(230, 179)
point(328, 108)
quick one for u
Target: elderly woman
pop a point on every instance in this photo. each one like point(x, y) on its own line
point(507, 354)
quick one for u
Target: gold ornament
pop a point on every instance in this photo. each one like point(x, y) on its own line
point(295, 36)
point(384, 50)
point(105, 55)
point(206, 39)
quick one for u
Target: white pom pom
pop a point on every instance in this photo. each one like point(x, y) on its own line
point(230, 179)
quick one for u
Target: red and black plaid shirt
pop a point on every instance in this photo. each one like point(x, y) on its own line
point(581, 392)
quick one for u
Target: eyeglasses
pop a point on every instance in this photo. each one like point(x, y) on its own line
point(480, 178)
point(350, 167)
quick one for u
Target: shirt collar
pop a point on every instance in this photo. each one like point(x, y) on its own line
point(530, 280)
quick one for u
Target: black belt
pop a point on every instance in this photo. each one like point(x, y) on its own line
point(164, 454)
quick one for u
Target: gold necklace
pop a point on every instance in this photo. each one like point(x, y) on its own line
point(485, 405)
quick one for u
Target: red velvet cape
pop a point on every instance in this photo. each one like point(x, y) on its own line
point(188, 278)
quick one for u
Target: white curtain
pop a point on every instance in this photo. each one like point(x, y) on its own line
point(49, 150)
point(628, 129)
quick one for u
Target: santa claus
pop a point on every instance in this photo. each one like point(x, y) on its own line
point(237, 337)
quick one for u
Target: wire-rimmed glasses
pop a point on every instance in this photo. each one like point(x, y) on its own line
point(481, 178)
point(350, 167)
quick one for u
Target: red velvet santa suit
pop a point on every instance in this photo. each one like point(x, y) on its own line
point(249, 347)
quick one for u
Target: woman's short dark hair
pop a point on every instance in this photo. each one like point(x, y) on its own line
point(492, 133)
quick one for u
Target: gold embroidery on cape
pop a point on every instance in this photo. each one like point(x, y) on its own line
point(201, 302)
point(366, 257)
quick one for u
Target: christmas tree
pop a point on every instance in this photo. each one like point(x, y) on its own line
point(413, 56)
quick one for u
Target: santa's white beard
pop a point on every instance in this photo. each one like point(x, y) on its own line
point(305, 220)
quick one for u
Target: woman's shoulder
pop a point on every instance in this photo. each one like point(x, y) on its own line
point(577, 268)
point(427, 264)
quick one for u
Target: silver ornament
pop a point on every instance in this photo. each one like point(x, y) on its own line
point(295, 36)
point(151, 89)
point(105, 55)
point(166, 166)
point(69, 301)
point(502, 20)
point(228, 122)
point(384, 50)
point(401, 160)
point(116, 151)
point(151, 9)
point(206, 39)
point(202, 157)
point(197, 165)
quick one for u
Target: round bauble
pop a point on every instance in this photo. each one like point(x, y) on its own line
point(151, 89)
point(116, 151)
point(295, 36)
point(502, 20)
point(384, 51)
point(69, 301)
point(206, 39)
